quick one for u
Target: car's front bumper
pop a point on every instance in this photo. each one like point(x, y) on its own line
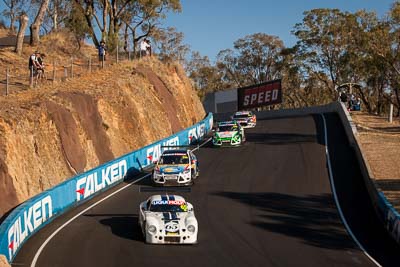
point(226, 141)
point(172, 179)
point(174, 239)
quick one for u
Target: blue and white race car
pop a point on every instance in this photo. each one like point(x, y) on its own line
point(247, 119)
point(168, 219)
point(176, 167)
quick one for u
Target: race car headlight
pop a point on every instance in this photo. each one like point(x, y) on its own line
point(186, 171)
point(157, 170)
point(191, 228)
point(152, 229)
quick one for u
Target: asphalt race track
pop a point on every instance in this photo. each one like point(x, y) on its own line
point(267, 203)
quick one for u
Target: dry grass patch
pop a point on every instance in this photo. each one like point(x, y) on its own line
point(380, 141)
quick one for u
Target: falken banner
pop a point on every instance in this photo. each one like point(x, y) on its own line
point(26, 219)
point(259, 95)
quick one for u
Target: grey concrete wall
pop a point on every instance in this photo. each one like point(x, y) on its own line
point(221, 101)
point(227, 107)
point(209, 103)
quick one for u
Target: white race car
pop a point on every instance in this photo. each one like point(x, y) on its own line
point(247, 119)
point(168, 219)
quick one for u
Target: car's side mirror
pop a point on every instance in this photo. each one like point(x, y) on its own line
point(189, 206)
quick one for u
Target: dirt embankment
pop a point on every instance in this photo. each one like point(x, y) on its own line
point(3, 262)
point(380, 141)
point(49, 134)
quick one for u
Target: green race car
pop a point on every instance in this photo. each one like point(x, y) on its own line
point(228, 133)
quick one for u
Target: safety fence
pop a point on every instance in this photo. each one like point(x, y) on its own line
point(14, 79)
point(33, 214)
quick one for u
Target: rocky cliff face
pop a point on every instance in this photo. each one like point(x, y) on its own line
point(3, 262)
point(51, 133)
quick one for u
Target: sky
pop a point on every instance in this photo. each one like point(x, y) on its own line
point(210, 26)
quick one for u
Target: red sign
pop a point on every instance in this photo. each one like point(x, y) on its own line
point(268, 93)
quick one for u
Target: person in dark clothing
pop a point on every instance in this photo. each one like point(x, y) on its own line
point(343, 97)
point(102, 53)
point(40, 69)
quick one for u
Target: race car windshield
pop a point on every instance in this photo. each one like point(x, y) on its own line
point(168, 208)
point(174, 159)
point(227, 128)
point(241, 116)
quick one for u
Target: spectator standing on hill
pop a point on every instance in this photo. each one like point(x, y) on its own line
point(352, 102)
point(143, 47)
point(148, 48)
point(343, 97)
point(40, 70)
point(102, 53)
point(33, 66)
point(357, 104)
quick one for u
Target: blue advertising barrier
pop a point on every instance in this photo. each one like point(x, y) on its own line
point(33, 214)
point(390, 216)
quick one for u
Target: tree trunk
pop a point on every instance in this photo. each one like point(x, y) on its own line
point(126, 36)
point(55, 17)
point(12, 22)
point(23, 23)
point(396, 91)
point(365, 100)
point(133, 42)
point(35, 26)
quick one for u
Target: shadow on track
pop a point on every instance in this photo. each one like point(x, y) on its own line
point(312, 218)
point(122, 225)
point(280, 138)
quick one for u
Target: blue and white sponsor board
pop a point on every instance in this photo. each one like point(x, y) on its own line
point(33, 214)
point(390, 216)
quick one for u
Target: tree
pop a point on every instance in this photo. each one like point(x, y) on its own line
point(256, 58)
point(76, 23)
point(14, 7)
point(57, 13)
point(35, 26)
point(110, 15)
point(206, 78)
point(170, 44)
point(324, 37)
point(23, 23)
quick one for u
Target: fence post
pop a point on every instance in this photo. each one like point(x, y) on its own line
point(7, 79)
point(54, 71)
point(31, 77)
point(129, 55)
point(391, 113)
point(90, 64)
point(72, 67)
point(117, 53)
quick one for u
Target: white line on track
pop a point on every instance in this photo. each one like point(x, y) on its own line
point(35, 259)
point(336, 198)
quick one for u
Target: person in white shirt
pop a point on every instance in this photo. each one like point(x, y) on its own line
point(34, 65)
point(143, 47)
